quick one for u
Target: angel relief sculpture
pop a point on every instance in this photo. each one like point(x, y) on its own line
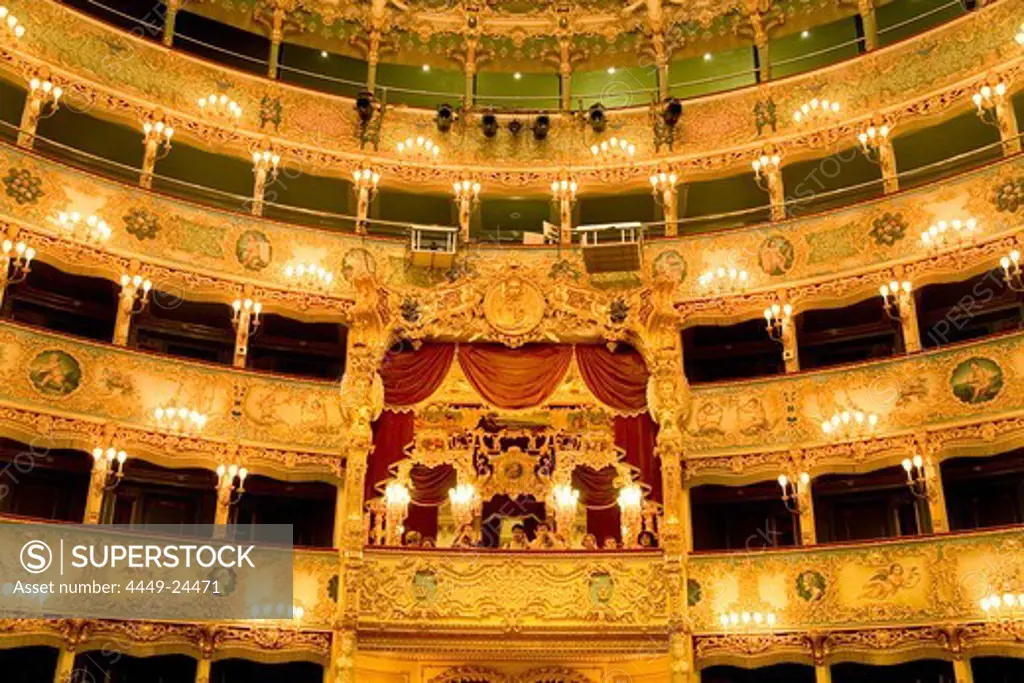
point(889, 581)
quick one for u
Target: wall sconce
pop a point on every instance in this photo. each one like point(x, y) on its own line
point(816, 111)
point(419, 148)
point(135, 293)
point(564, 190)
point(179, 420)
point(12, 26)
point(109, 464)
point(1005, 606)
point(467, 189)
point(895, 298)
point(723, 280)
point(776, 318)
point(565, 500)
point(266, 161)
point(464, 502)
point(46, 93)
point(613, 149)
point(872, 138)
point(791, 491)
point(631, 500)
point(850, 424)
point(396, 501)
point(747, 620)
point(16, 261)
point(231, 483)
point(766, 166)
point(366, 179)
point(662, 182)
point(309, 276)
point(987, 99)
point(949, 234)
point(1011, 271)
point(916, 476)
point(220, 107)
point(247, 311)
point(158, 136)
point(92, 230)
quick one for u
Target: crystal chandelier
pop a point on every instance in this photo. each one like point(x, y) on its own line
point(11, 24)
point(92, 230)
point(179, 419)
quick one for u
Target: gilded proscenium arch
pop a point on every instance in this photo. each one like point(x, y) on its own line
point(880, 239)
point(333, 150)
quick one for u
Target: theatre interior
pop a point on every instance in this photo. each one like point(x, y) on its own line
point(578, 341)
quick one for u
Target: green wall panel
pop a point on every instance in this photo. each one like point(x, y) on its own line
point(350, 73)
point(635, 86)
point(394, 81)
point(902, 19)
point(814, 48)
point(529, 91)
point(724, 71)
point(958, 136)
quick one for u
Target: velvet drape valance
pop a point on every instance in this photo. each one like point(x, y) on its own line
point(411, 376)
point(515, 378)
point(617, 379)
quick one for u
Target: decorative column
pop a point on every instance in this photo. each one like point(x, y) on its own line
point(808, 530)
point(866, 9)
point(962, 669)
point(995, 108)
point(668, 401)
point(822, 673)
point(768, 176)
point(876, 145)
point(661, 61)
point(203, 670)
point(663, 185)
point(157, 134)
point(170, 18)
point(340, 512)
point(467, 193)
point(365, 186)
point(65, 665)
point(372, 58)
point(761, 44)
point(924, 477)
point(42, 101)
point(470, 70)
point(565, 72)
point(246, 320)
point(132, 301)
point(563, 192)
point(265, 164)
point(276, 38)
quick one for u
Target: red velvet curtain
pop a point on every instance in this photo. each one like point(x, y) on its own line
point(412, 376)
point(599, 495)
point(638, 436)
point(617, 379)
point(515, 378)
point(429, 489)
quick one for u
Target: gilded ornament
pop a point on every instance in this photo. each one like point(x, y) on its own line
point(55, 373)
point(976, 380)
point(514, 306)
